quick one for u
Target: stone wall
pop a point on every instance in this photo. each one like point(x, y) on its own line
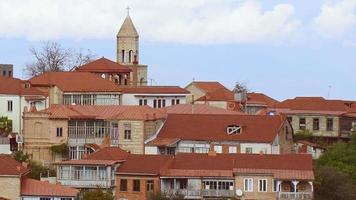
point(10, 187)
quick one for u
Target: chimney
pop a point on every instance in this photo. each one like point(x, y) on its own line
point(33, 108)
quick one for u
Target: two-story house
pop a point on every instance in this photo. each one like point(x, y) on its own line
point(96, 170)
point(15, 95)
point(16, 186)
point(222, 133)
point(85, 127)
point(325, 119)
point(217, 176)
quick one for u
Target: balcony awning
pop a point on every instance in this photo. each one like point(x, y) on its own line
point(280, 173)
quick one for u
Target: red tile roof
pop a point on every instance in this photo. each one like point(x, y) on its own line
point(208, 86)
point(255, 128)
point(260, 98)
point(103, 112)
point(16, 86)
point(74, 82)
point(196, 109)
point(288, 166)
point(316, 105)
point(9, 166)
point(218, 95)
point(103, 65)
point(144, 164)
point(154, 90)
point(32, 187)
point(108, 153)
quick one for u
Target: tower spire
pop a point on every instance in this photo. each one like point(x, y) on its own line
point(128, 10)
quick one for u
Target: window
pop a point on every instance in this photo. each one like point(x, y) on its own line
point(163, 103)
point(248, 185)
point(9, 106)
point(127, 131)
point(131, 56)
point(66, 198)
point(3, 73)
point(262, 185)
point(136, 185)
point(123, 184)
point(275, 185)
point(143, 102)
point(155, 103)
point(10, 73)
point(316, 124)
point(59, 131)
point(123, 55)
point(218, 148)
point(45, 198)
point(149, 185)
point(175, 101)
point(248, 150)
point(232, 149)
point(301, 123)
point(159, 103)
point(329, 124)
point(233, 129)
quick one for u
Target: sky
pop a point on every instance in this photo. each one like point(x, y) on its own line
point(282, 48)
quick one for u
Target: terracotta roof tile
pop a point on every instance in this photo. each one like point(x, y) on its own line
point(103, 112)
point(75, 82)
point(9, 166)
point(32, 187)
point(103, 65)
point(261, 98)
point(16, 86)
point(154, 90)
point(208, 86)
point(288, 166)
point(196, 109)
point(255, 128)
point(218, 95)
point(144, 164)
point(317, 104)
point(108, 153)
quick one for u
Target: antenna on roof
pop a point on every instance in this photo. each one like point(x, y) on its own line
point(329, 91)
point(128, 10)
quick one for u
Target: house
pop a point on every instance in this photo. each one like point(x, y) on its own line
point(325, 119)
point(15, 185)
point(205, 176)
point(217, 95)
point(304, 146)
point(223, 133)
point(15, 95)
point(84, 128)
point(154, 96)
point(77, 88)
point(96, 170)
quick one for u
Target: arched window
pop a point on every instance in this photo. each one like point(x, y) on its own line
point(123, 54)
point(131, 56)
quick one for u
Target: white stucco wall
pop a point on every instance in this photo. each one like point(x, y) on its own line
point(133, 99)
point(256, 147)
point(151, 150)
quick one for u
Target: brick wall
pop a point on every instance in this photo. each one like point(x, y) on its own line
point(133, 195)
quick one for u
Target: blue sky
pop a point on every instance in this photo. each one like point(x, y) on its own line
point(282, 48)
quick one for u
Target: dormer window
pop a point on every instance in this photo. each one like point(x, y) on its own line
point(233, 129)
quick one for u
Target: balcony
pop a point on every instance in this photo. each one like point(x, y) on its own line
point(187, 193)
point(295, 195)
point(92, 134)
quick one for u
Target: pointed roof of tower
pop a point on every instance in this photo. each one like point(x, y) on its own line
point(127, 28)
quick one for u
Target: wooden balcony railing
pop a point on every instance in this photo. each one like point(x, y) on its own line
point(200, 193)
point(295, 195)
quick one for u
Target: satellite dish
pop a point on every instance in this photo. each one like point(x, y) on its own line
point(239, 192)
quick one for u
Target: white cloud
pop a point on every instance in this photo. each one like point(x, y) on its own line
point(336, 20)
point(183, 21)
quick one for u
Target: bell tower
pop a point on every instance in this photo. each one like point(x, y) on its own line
point(127, 42)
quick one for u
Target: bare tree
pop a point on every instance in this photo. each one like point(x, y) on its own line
point(51, 56)
point(240, 86)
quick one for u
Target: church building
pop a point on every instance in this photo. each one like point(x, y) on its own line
point(126, 71)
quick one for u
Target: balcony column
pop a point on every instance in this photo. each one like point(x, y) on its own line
point(279, 186)
point(174, 184)
point(311, 185)
point(295, 183)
